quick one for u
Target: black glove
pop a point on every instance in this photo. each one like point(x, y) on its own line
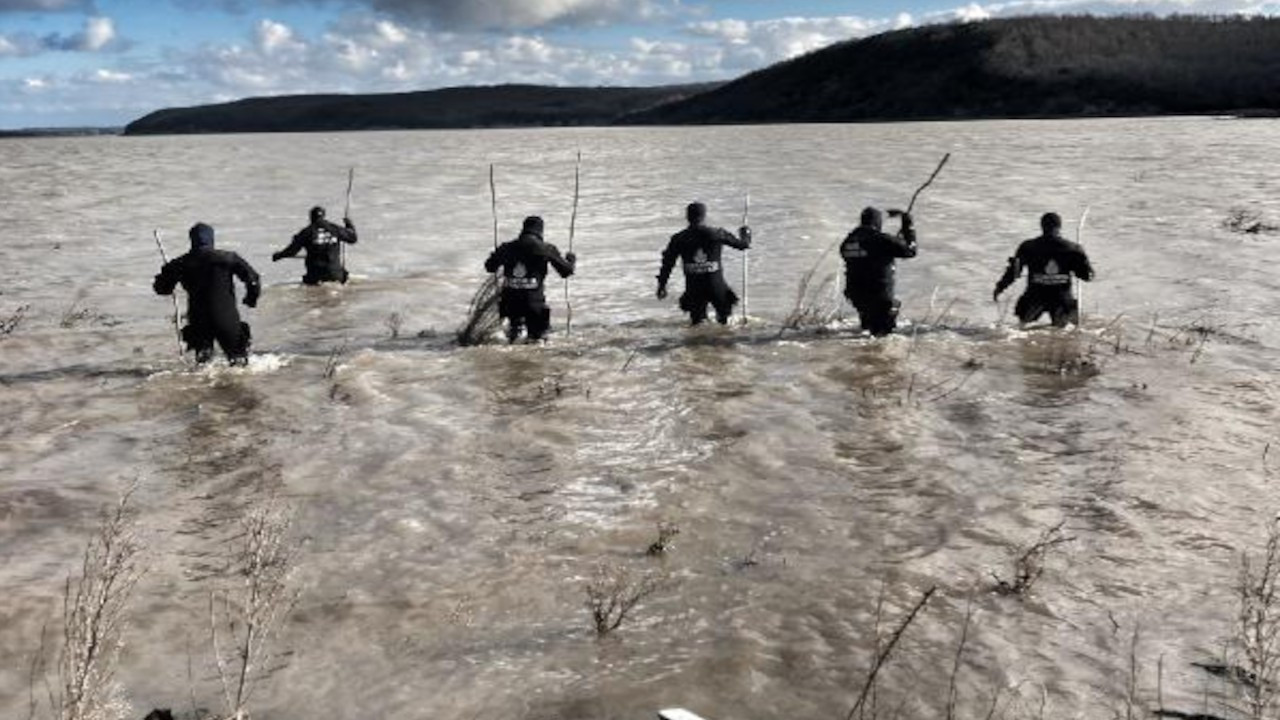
point(744, 234)
point(347, 222)
point(662, 292)
point(275, 257)
point(907, 220)
point(250, 301)
point(571, 258)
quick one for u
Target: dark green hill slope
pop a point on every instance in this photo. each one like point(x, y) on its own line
point(1018, 67)
point(464, 107)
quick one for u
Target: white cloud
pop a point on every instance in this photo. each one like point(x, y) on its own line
point(272, 37)
point(103, 75)
point(98, 33)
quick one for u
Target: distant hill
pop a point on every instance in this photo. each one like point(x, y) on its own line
point(463, 107)
point(59, 132)
point(1018, 67)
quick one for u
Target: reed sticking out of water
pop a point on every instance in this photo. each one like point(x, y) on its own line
point(8, 325)
point(93, 615)
point(667, 531)
point(884, 653)
point(394, 322)
point(1029, 561)
point(613, 591)
point(251, 613)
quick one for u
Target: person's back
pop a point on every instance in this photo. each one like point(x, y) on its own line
point(870, 261)
point(322, 241)
point(524, 263)
point(206, 274)
point(1050, 261)
point(699, 248)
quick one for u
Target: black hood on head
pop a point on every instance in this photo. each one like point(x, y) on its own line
point(201, 236)
point(695, 213)
point(872, 218)
point(1051, 223)
point(317, 214)
point(533, 225)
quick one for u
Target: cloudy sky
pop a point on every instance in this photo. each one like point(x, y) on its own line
point(104, 62)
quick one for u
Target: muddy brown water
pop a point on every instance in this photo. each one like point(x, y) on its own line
point(450, 503)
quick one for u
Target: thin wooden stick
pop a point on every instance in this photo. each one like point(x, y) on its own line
point(883, 657)
point(1080, 283)
point(573, 222)
point(346, 213)
point(746, 256)
point(164, 258)
point(928, 182)
point(493, 201)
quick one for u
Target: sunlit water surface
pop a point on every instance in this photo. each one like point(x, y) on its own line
point(451, 502)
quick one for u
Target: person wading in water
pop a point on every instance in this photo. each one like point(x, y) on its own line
point(699, 248)
point(321, 240)
point(1050, 260)
point(524, 262)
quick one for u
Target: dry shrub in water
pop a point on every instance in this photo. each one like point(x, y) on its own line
point(667, 531)
point(1028, 562)
point(94, 609)
point(614, 590)
point(1258, 626)
point(250, 612)
point(394, 322)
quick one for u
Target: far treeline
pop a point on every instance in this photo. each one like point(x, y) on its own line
point(1042, 66)
point(1020, 67)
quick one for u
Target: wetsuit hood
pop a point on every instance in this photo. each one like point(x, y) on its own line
point(695, 213)
point(872, 218)
point(317, 214)
point(201, 236)
point(1051, 224)
point(532, 225)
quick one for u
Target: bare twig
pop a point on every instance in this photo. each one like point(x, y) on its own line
point(614, 591)
point(887, 651)
point(94, 610)
point(955, 667)
point(1028, 564)
point(254, 611)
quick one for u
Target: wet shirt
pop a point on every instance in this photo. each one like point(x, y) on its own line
point(524, 262)
point(870, 255)
point(1050, 261)
point(206, 274)
point(321, 241)
point(699, 248)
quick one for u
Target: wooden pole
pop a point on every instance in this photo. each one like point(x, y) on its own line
point(746, 255)
point(1080, 283)
point(573, 222)
point(164, 258)
point(346, 213)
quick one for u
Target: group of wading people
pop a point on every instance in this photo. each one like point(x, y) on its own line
point(869, 253)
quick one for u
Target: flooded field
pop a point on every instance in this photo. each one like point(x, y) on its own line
point(450, 504)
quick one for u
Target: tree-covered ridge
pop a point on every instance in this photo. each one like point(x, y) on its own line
point(1018, 67)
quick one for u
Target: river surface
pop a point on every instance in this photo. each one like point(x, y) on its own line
point(450, 503)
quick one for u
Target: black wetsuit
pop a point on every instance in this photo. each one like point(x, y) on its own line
point(324, 254)
point(206, 275)
point(524, 264)
point(869, 273)
point(699, 248)
point(1050, 261)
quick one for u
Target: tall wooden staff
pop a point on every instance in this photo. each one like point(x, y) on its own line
point(346, 213)
point(164, 259)
point(746, 255)
point(573, 222)
point(1080, 283)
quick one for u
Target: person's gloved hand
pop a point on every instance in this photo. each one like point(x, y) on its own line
point(275, 257)
point(571, 258)
point(907, 220)
point(662, 292)
point(250, 301)
point(744, 234)
point(347, 222)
